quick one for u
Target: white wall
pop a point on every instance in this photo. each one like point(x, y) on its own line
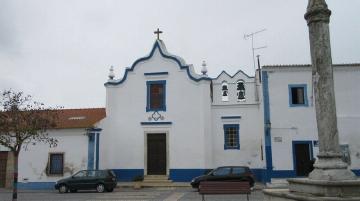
point(72, 142)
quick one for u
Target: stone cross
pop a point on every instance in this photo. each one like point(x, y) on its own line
point(158, 32)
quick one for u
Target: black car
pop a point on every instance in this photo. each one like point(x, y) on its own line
point(226, 173)
point(100, 180)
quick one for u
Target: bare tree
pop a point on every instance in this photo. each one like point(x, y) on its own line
point(24, 122)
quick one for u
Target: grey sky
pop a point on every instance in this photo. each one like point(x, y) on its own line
point(60, 51)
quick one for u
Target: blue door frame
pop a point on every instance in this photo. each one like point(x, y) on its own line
point(309, 142)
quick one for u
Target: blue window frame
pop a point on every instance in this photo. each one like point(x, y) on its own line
point(56, 164)
point(298, 95)
point(231, 136)
point(156, 95)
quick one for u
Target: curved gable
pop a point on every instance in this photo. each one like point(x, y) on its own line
point(163, 52)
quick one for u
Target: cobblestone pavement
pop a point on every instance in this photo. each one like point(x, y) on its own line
point(123, 194)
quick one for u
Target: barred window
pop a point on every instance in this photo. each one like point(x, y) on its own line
point(56, 164)
point(231, 135)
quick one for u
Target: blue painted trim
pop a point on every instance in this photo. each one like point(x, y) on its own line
point(157, 46)
point(267, 127)
point(357, 172)
point(35, 185)
point(156, 73)
point(156, 123)
point(309, 142)
point(231, 117)
point(226, 126)
point(163, 106)
point(185, 175)
point(224, 72)
point(127, 174)
point(97, 150)
point(91, 151)
point(304, 86)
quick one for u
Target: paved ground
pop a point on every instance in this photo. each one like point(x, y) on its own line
point(122, 194)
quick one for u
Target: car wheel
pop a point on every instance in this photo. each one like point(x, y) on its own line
point(100, 188)
point(109, 189)
point(63, 188)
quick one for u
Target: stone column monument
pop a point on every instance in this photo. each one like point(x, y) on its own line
point(329, 165)
point(331, 178)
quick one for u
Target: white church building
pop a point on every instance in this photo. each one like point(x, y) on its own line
point(162, 118)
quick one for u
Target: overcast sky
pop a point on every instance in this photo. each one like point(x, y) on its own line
point(60, 51)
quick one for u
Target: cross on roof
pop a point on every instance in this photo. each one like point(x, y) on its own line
point(158, 32)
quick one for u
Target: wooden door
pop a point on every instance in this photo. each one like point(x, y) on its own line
point(156, 154)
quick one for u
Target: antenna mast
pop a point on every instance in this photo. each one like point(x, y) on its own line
point(251, 35)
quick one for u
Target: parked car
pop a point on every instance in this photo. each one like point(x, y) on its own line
point(100, 180)
point(226, 173)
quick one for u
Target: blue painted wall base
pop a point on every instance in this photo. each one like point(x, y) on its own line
point(177, 175)
point(127, 174)
point(36, 185)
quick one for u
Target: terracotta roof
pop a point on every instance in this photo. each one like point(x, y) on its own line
point(79, 118)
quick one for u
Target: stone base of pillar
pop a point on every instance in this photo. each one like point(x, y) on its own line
point(286, 195)
point(316, 190)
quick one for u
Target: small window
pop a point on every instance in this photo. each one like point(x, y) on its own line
point(231, 135)
point(224, 91)
point(297, 95)
point(156, 95)
point(240, 88)
point(222, 171)
point(56, 164)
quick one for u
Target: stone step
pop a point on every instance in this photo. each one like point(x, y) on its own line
point(157, 181)
point(156, 177)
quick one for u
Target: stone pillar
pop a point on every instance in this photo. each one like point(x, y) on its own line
point(329, 165)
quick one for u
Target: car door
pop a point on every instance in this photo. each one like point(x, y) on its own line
point(77, 181)
point(220, 174)
point(92, 179)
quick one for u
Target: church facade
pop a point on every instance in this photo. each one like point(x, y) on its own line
point(166, 119)
point(162, 118)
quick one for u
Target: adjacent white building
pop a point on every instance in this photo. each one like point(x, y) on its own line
point(290, 122)
point(162, 118)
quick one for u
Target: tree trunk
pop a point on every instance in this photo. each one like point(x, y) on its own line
point(15, 181)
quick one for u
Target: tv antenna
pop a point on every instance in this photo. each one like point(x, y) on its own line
point(251, 35)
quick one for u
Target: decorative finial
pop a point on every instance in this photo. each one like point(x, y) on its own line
point(204, 69)
point(158, 32)
point(111, 73)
